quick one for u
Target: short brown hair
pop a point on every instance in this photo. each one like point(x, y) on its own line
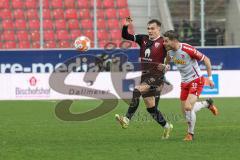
point(171, 34)
point(155, 21)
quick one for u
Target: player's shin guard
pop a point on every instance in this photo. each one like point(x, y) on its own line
point(134, 104)
point(157, 115)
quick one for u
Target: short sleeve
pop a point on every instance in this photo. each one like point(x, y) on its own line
point(193, 52)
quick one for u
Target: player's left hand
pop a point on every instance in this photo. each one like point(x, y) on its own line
point(163, 67)
point(211, 83)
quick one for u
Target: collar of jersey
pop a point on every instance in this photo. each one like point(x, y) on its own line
point(155, 38)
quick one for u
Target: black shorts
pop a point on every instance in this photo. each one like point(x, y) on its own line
point(154, 81)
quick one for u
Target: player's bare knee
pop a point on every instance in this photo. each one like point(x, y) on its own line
point(187, 106)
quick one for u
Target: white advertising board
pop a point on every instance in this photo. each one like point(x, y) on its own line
point(35, 86)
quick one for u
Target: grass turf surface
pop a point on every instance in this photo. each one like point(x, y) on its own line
point(30, 130)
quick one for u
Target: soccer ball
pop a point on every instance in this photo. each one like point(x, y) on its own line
point(82, 43)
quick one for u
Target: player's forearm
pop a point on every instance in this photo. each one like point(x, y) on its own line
point(126, 35)
point(209, 66)
point(167, 59)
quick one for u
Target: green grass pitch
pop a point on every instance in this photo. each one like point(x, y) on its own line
point(29, 130)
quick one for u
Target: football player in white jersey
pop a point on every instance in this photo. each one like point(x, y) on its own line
point(185, 57)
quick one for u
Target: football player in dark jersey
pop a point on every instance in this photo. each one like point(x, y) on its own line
point(152, 55)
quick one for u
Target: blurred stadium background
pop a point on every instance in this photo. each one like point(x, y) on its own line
point(56, 23)
point(36, 37)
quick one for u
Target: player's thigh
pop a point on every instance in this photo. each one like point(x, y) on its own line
point(192, 99)
point(143, 87)
point(160, 87)
point(149, 101)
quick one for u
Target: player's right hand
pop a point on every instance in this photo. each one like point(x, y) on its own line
point(128, 21)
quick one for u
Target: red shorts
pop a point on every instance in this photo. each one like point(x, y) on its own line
point(194, 87)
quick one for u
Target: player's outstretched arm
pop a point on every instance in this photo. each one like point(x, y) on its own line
point(125, 33)
point(207, 62)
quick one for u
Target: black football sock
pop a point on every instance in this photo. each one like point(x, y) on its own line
point(157, 116)
point(134, 104)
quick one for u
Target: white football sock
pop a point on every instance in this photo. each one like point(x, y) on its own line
point(191, 120)
point(199, 105)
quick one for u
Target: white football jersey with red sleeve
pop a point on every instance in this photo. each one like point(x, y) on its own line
point(185, 58)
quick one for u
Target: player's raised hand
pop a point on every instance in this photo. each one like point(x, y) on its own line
point(128, 21)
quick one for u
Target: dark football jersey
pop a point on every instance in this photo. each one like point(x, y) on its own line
point(152, 53)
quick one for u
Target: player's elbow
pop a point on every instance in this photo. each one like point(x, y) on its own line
point(207, 60)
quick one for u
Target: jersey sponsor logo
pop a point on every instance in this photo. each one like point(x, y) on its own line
point(178, 61)
point(147, 53)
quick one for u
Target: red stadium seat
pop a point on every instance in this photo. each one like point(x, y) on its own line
point(113, 24)
point(100, 13)
point(7, 25)
point(24, 44)
point(34, 24)
point(86, 24)
point(8, 36)
point(83, 4)
point(58, 13)
point(18, 14)
point(48, 35)
point(32, 14)
point(73, 24)
point(31, 4)
point(35, 44)
point(63, 35)
point(89, 34)
point(5, 14)
point(35, 35)
point(46, 14)
point(47, 24)
point(102, 35)
point(99, 3)
point(71, 14)
point(116, 34)
point(101, 24)
point(111, 13)
point(56, 4)
point(75, 33)
point(84, 14)
point(10, 45)
point(46, 4)
point(22, 36)
point(69, 4)
point(121, 4)
point(64, 44)
point(4, 4)
point(21, 24)
point(50, 44)
point(17, 4)
point(108, 4)
point(123, 13)
point(1, 45)
point(102, 43)
point(60, 24)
